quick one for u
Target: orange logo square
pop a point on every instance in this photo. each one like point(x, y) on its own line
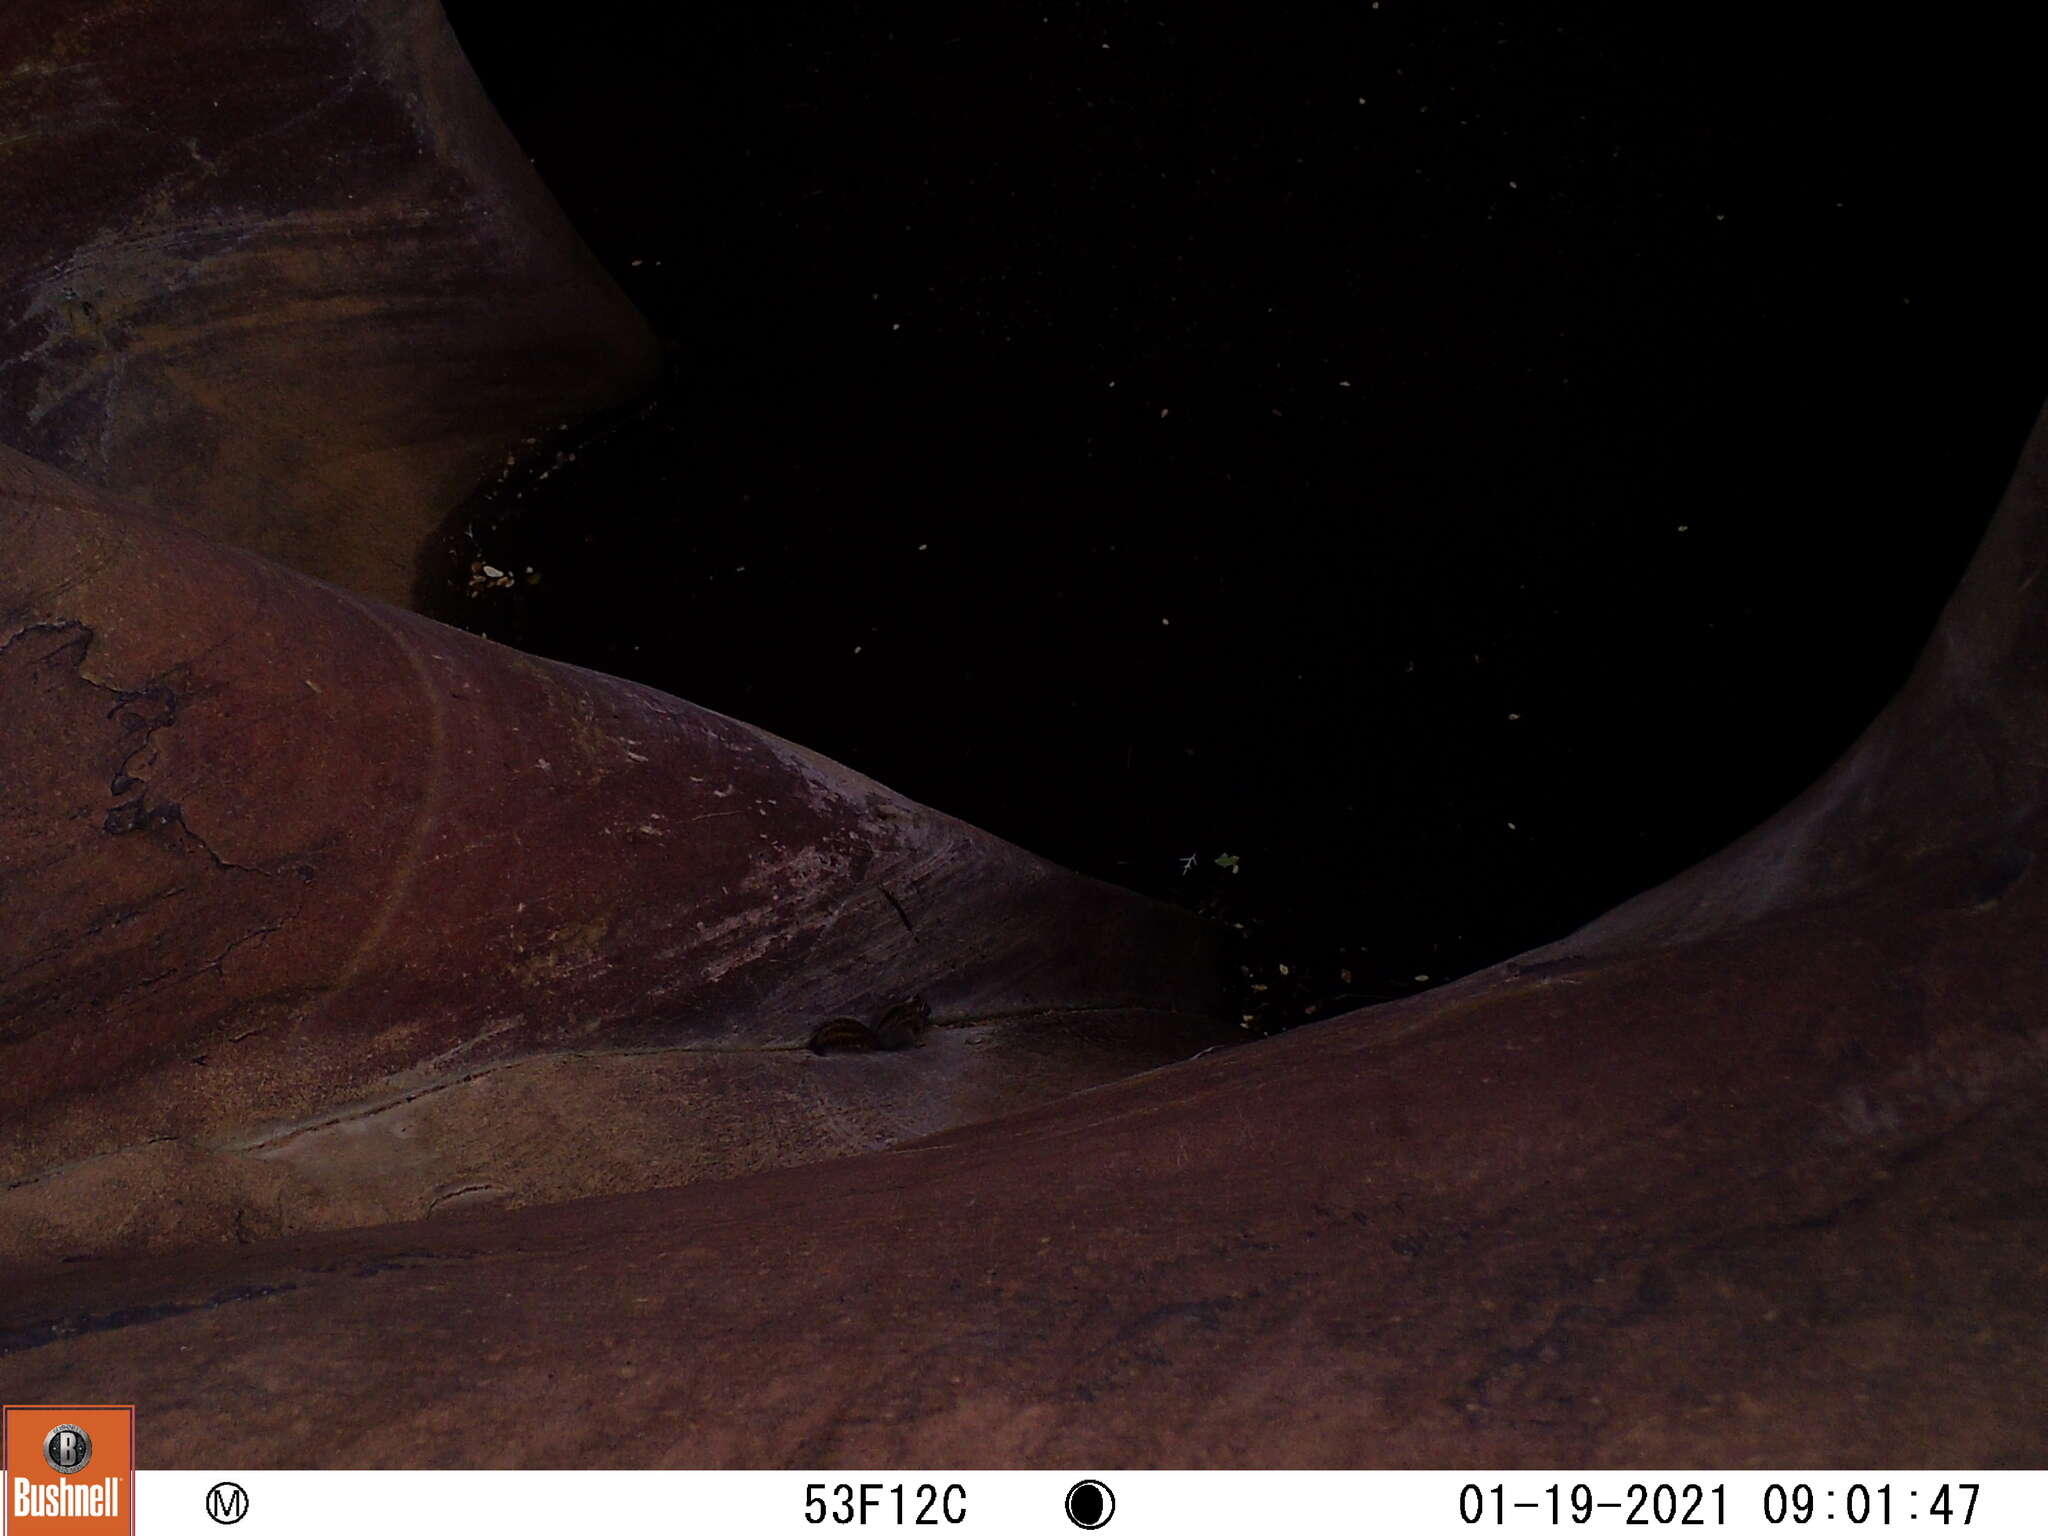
point(67, 1471)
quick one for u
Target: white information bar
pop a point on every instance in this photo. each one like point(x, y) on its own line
point(1786, 1503)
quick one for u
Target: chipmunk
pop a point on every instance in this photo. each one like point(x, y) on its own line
point(899, 1028)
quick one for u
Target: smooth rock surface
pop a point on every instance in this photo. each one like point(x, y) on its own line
point(278, 270)
point(1748, 1173)
point(320, 913)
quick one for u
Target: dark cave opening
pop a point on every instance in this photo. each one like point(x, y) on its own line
point(1400, 480)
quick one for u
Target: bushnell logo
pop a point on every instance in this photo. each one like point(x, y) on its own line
point(67, 1470)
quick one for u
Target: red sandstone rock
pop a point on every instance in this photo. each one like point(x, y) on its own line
point(320, 913)
point(1748, 1172)
point(276, 268)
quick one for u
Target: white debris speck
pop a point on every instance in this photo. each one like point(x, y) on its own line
point(493, 572)
point(1422, 978)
